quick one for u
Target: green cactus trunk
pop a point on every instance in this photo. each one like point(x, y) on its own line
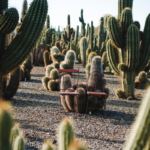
point(128, 83)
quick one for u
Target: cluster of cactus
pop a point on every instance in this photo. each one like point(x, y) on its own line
point(22, 44)
point(125, 56)
point(96, 82)
point(26, 69)
point(51, 80)
point(53, 57)
point(141, 80)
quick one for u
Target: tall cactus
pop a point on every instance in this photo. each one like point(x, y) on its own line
point(100, 34)
point(124, 46)
point(91, 35)
point(83, 48)
point(26, 38)
point(48, 22)
point(67, 33)
point(81, 19)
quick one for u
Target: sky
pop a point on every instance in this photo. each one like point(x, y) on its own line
point(93, 10)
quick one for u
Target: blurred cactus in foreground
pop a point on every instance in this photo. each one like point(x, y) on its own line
point(17, 51)
point(140, 132)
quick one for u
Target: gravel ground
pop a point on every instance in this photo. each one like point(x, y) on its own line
point(37, 111)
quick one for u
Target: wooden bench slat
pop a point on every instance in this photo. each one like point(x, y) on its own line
point(69, 70)
point(68, 93)
point(95, 93)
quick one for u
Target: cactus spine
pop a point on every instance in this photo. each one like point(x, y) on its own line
point(132, 58)
point(83, 24)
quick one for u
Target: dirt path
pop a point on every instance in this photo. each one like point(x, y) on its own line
point(37, 111)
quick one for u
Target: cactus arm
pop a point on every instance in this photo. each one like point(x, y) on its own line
point(114, 32)
point(123, 4)
point(145, 46)
point(31, 28)
point(9, 21)
point(140, 132)
point(125, 23)
point(112, 57)
point(133, 51)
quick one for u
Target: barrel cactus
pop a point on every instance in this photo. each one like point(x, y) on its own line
point(21, 45)
point(124, 46)
point(56, 55)
point(69, 61)
point(141, 80)
point(49, 81)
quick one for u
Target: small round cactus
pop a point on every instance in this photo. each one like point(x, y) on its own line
point(52, 85)
point(54, 74)
point(142, 77)
point(90, 57)
point(45, 81)
point(48, 70)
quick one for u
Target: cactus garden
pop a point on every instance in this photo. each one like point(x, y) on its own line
point(81, 85)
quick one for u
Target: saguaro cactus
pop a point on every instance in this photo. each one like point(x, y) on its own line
point(132, 59)
point(81, 19)
point(26, 38)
